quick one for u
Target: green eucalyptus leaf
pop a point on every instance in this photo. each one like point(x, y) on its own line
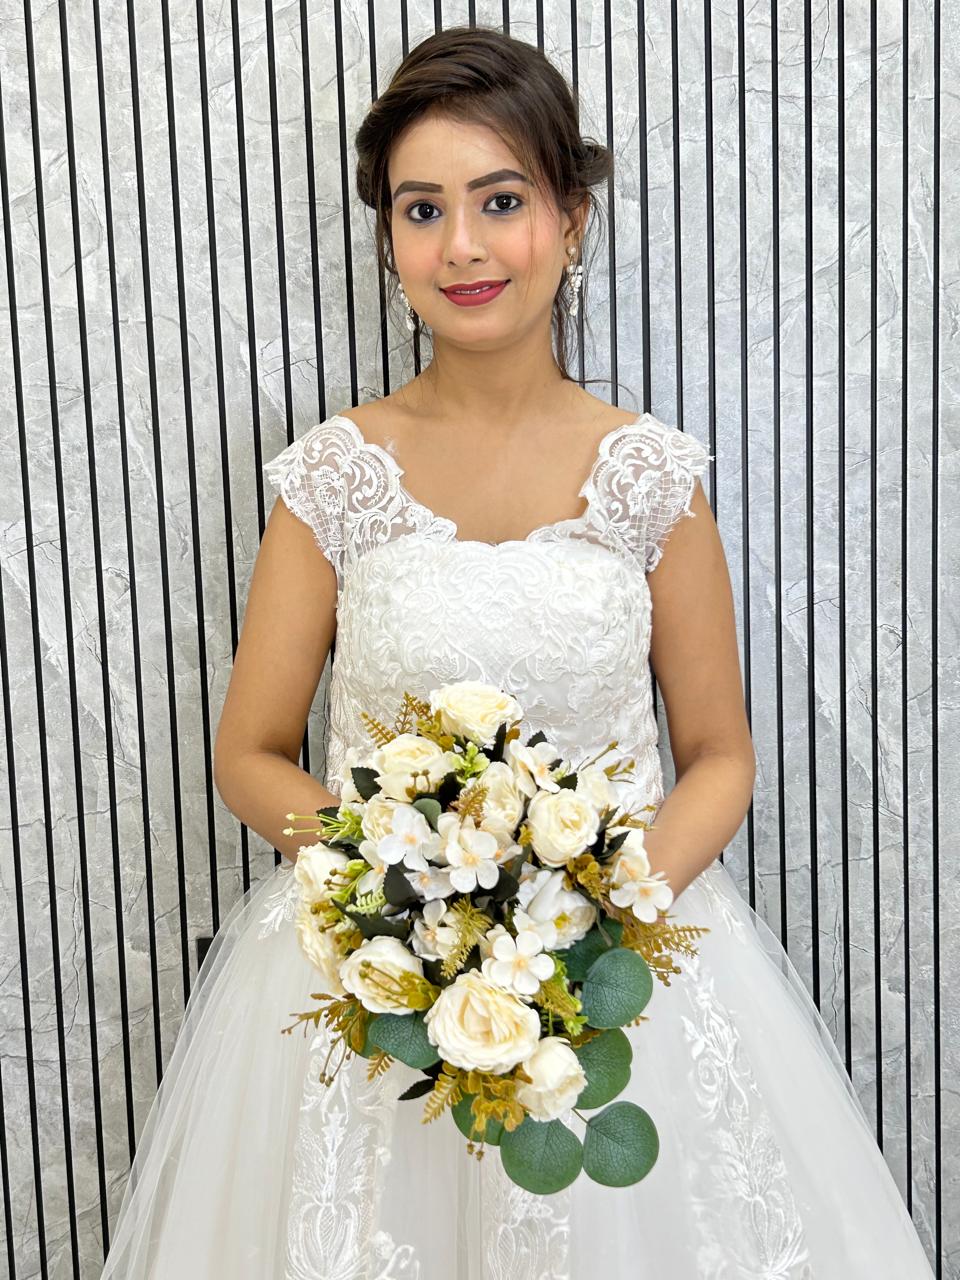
point(616, 989)
point(585, 950)
point(403, 1036)
point(620, 1146)
point(541, 1156)
point(606, 1063)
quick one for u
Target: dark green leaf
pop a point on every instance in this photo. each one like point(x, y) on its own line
point(582, 954)
point(606, 1063)
point(403, 1036)
point(542, 1157)
point(616, 989)
point(620, 1146)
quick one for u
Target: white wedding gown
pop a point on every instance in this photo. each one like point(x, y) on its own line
point(248, 1167)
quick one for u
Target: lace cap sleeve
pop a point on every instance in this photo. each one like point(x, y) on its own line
point(647, 483)
point(679, 459)
point(308, 477)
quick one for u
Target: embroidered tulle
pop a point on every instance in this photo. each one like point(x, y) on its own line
point(249, 1165)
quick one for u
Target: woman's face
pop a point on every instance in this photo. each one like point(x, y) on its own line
point(448, 231)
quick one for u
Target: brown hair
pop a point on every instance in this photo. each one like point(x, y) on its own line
point(483, 76)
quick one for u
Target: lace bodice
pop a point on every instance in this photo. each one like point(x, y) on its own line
point(561, 619)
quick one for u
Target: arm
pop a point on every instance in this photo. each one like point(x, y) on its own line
point(288, 627)
point(695, 657)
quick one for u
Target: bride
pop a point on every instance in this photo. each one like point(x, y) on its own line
point(491, 520)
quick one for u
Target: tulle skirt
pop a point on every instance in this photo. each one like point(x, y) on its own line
point(248, 1166)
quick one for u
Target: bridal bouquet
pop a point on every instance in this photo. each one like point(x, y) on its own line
point(486, 914)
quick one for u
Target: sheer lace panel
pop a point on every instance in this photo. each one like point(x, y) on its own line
point(309, 476)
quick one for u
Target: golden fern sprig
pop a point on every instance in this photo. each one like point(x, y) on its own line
point(378, 1064)
point(658, 940)
point(378, 731)
point(447, 1091)
point(469, 804)
point(471, 924)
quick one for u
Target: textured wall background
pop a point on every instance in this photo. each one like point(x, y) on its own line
point(188, 282)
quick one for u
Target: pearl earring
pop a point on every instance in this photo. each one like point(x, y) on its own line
point(409, 313)
point(575, 277)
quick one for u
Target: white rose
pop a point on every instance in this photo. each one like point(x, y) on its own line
point(408, 763)
point(562, 825)
point(320, 948)
point(503, 804)
point(314, 864)
point(558, 1079)
point(471, 709)
point(377, 819)
point(477, 1025)
point(553, 907)
point(386, 954)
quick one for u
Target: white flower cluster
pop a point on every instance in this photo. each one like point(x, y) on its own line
point(485, 1018)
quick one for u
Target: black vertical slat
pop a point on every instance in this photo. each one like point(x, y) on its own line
point(17, 849)
point(935, 655)
point(38, 657)
point(136, 665)
point(184, 325)
point(842, 531)
point(226, 489)
point(104, 663)
point(711, 257)
point(874, 690)
point(810, 502)
point(253, 362)
point(155, 423)
point(777, 539)
point(904, 581)
point(575, 85)
point(311, 204)
point(746, 611)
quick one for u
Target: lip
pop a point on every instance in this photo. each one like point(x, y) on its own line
point(491, 289)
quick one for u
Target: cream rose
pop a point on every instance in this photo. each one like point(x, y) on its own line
point(475, 1024)
point(377, 819)
point(558, 1079)
point(471, 709)
point(410, 762)
point(320, 947)
point(503, 804)
point(562, 824)
point(391, 957)
point(315, 862)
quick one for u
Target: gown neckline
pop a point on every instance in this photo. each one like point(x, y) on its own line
point(586, 490)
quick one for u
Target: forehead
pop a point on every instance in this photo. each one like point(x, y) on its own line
point(434, 146)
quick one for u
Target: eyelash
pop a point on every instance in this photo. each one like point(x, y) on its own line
point(500, 194)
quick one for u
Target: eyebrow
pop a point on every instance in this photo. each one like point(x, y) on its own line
point(499, 175)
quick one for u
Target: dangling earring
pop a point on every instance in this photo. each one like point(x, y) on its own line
point(575, 277)
point(409, 313)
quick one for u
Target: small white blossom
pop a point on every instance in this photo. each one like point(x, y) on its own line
point(471, 854)
point(410, 838)
point(519, 963)
point(431, 938)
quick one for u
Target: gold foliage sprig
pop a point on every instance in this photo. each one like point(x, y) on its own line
point(471, 924)
point(585, 870)
point(378, 1064)
point(469, 804)
point(494, 1096)
point(657, 940)
point(556, 999)
point(446, 1092)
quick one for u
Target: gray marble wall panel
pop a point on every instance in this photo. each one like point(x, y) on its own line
point(188, 282)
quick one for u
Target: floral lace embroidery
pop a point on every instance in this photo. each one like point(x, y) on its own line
point(527, 1236)
point(351, 493)
point(281, 904)
point(744, 1179)
point(343, 1142)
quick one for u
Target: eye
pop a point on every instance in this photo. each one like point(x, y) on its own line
point(427, 204)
